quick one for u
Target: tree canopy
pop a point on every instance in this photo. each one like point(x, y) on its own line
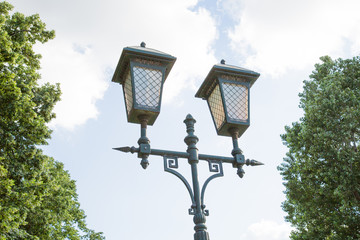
point(38, 199)
point(322, 168)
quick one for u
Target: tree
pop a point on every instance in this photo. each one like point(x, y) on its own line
point(38, 199)
point(322, 168)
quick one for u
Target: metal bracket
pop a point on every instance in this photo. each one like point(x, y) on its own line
point(214, 166)
point(172, 162)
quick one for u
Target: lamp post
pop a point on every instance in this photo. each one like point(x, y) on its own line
point(142, 72)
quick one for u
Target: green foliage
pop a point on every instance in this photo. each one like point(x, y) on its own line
point(322, 168)
point(38, 199)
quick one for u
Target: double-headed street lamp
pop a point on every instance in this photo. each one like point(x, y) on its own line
point(142, 72)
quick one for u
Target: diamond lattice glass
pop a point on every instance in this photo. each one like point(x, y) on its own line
point(147, 86)
point(236, 101)
point(216, 107)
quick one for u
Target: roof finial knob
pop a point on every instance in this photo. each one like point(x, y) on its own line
point(222, 61)
point(142, 44)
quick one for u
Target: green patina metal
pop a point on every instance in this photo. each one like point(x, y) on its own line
point(225, 88)
point(170, 158)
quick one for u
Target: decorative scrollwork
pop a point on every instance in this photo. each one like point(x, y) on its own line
point(205, 212)
point(192, 211)
point(172, 162)
point(214, 166)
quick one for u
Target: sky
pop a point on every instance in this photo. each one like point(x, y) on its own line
point(280, 39)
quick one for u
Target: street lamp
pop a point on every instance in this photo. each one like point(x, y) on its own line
point(142, 72)
point(227, 92)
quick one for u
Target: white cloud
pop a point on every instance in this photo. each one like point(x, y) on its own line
point(231, 7)
point(276, 36)
point(91, 39)
point(81, 80)
point(267, 230)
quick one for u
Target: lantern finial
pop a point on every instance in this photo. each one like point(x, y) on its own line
point(222, 61)
point(143, 44)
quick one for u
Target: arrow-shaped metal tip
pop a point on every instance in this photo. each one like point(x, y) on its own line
point(123, 149)
point(253, 163)
point(256, 163)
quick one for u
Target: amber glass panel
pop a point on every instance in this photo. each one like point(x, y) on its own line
point(128, 93)
point(216, 107)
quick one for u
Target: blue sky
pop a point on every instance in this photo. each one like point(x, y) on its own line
point(281, 40)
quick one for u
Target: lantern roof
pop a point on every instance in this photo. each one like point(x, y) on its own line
point(238, 73)
point(143, 53)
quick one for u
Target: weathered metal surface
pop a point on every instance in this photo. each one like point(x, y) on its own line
point(171, 163)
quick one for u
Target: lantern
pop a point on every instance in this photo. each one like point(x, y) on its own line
point(142, 72)
point(227, 91)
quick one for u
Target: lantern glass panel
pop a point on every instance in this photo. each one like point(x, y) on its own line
point(128, 92)
point(216, 106)
point(148, 82)
point(236, 101)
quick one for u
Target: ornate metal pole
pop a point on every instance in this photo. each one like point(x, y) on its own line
point(199, 217)
point(237, 153)
point(171, 163)
point(144, 141)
